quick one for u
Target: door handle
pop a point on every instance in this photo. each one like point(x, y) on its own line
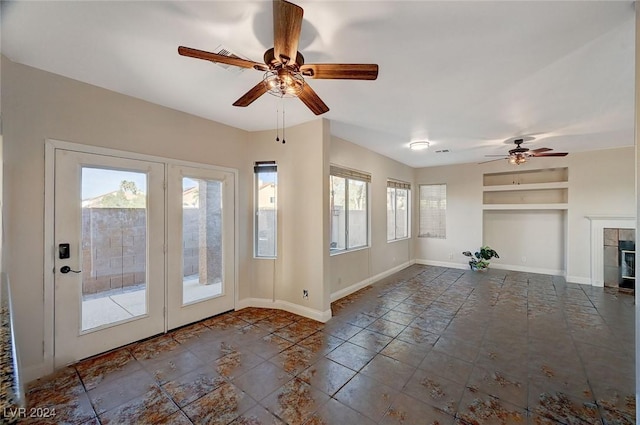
point(67, 269)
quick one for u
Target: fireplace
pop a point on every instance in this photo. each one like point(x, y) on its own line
point(619, 258)
point(597, 224)
point(627, 258)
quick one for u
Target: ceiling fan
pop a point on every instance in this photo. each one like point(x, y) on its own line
point(519, 155)
point(284, 67)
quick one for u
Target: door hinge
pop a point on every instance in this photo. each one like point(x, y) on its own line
point(164, 249)
point(164, 185)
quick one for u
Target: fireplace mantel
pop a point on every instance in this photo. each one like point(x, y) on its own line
point(598, 224)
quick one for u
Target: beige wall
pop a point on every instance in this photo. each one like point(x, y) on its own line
point(352, 268)
point(531, 239)
point(38, 105)
point(600, 183)
point(302, 216)
point(464, 213)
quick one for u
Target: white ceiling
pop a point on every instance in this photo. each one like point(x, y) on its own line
point(468, 76)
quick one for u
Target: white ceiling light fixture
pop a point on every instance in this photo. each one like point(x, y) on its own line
point(419, 146)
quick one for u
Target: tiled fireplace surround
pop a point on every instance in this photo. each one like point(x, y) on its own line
point(611, 262)
point(597, 226)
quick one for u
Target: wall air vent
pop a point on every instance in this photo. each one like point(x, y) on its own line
point(222, 50)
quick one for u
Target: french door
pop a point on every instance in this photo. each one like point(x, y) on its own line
point(140, 247)
point(201, 243)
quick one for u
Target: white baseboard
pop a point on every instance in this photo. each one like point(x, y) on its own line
point(33, 372)
point(526, 269)
point(447, 264)
point(368, 281)
point(311, 313)
point(465, 266)
point(583, 281)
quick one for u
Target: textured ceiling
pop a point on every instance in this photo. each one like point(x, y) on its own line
point(468, 76)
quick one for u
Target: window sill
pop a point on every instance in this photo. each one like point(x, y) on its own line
point(399, 240)
point(264, 258)
point(346, 251)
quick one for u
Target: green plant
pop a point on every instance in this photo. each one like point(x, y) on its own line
point(480, 259)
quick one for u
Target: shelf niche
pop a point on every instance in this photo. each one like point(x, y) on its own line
point(516, 178)
point(530, 189)
point(537, 196)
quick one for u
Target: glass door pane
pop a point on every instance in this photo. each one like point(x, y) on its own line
point(201, 239)
point(114, 246)
point(109, 227)
point(200, 243)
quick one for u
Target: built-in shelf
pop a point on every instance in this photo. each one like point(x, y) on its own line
point(546, 189)
point(547, 175)
point(525, 206)
point(527, 186)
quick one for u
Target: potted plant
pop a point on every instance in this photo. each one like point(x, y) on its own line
point(480, 259)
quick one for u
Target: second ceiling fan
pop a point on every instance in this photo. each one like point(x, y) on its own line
point(519, 155)
point(284, 67)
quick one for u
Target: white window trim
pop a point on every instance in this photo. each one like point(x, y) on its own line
point(256, 194)
point(424, 235)
point(348, 174)
point(408, 211)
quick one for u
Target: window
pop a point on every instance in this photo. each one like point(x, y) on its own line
point(349, 203)
point(433, 211)
point(398, 195)
point(266, 183)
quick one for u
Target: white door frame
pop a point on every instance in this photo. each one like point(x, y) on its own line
point(180, 313)
point(49, 249)
point(75, 338)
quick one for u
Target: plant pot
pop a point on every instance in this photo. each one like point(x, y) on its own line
point(478, 267)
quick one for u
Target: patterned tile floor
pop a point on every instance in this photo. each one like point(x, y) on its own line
point(427, 345)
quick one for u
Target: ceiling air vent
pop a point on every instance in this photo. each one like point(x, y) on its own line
point(222, 50)
point(443, 151)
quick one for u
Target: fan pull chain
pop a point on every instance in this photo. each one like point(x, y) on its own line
point(277, 128)
point(283, 141)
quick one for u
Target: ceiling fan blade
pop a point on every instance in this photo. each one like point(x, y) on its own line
point(551, 154)
point(215, 57)
point(540, 150)
point(312, 100)
point(287, 23)
point(491, 160)
point(340, 71)
point(249, 97)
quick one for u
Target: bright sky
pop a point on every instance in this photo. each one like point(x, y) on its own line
point(99, 181)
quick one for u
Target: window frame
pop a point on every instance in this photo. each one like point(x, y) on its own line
point(395, 186)
point(351, 175)
point(422, 233)
point(259, 168)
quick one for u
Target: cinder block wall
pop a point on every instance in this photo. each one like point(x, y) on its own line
point(114, 248)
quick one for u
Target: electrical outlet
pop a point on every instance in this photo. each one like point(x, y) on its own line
point(451, 256)
point(305, 294)
point(524, 259)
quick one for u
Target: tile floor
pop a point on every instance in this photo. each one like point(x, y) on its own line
point(427, 345)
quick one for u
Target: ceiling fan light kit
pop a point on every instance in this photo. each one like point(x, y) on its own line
point(283, 83)
point(517, 159)
point(419, 146)
point(284, 65)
